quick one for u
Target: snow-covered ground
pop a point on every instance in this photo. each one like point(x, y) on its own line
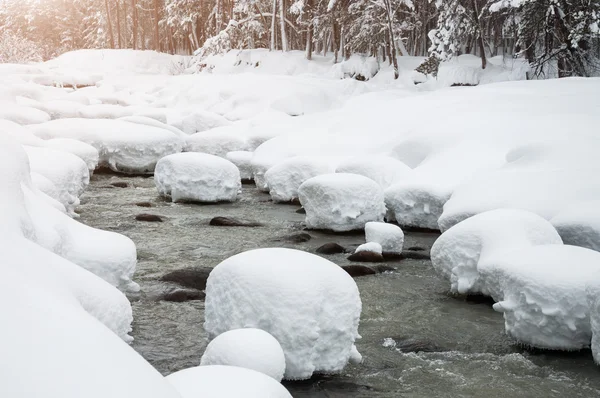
point(507, 169)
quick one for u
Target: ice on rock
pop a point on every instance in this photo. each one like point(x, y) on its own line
point(543, 297)
point(219, 381)
point(341, 202)
point(198, 177)
point(218, 141)
point(247, 348)
point(579, 224)
point(457, 253)
point(309, 304)
point(285, 177)
point(372, 247)
point(389, 236)
point(123, 146)
point(384, 170)
point(243, 161)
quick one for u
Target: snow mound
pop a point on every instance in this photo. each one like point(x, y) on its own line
point(357, 67)
point(123, 146)
point(61, 108)
point(86, 152)
point(218, 142)
point(104, 111)
point(544, 294)
point(285, 177)
point(389, 236)
point(372, 247)
point(309, 304)
point(384, 170)
point(579, 224)
point(247, 348)
point(341, 202)
point(197, 177)
point(218, 381)
point(202, 121)
point(243, 161)
point(458, 252)
point(23, 115)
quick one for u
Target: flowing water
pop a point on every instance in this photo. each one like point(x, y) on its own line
point(463, 349)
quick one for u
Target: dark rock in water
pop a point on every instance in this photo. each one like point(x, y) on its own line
point(144, 204)
point(232, 222)
point(194, 278)
point(330, 386)
point(148, 217)
point(119, 184)
point(247, 181)
point(367, 257)
point(295, 201)
point(301, 210)
point(299, 237)
point(180, 295)
point(331, 248)
point(416, 255)
point(391, 256)
point(416, 249)
point(358, 270)
point(411, 344)
point(479, 299)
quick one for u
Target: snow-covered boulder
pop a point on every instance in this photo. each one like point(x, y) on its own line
point(219, 381)
point(457, 253)
point(197, 177)
point(86, 152)
point(593, 300)
point(371, 247)
point(243, 161)
point(123, 146)
point(247, 348)
point(415, 204)
point(202, 121)
point(389, 236)
point(148, 121)
point(23, 115)
point(384, 170)
point(579, 224)
point(309, 304)
point(285, 177)
point(216, 142)
point(544, 298)
point(341, 202)
point(104, 111)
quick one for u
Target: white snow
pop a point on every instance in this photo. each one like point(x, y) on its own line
point(389, 236)
point(544, 298)
point(384, 170)
point(218, 141)
point(86, 152)
point(309, 304)
point(285, 177)
point(197, 177)
point(243, 161)
point(218, 381)
point(372, 247)
point(457, 254)
point(579, 224)
point(247, 348)
point(341, 202)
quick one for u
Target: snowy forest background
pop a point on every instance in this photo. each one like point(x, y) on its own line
point(560, 33)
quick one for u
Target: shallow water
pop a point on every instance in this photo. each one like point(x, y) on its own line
point(471, 356)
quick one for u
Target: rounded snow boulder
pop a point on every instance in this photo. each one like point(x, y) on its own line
point(416, 204)
point(384, 170)
point(86, 152)
point(216, 142)
point(197, 177)
point(247, 348)
point(543, 295)
point(285, 177)
point(243, 161)
point(218, 381)
point(309, 304)
point(389, 236)
point(456, 254)
point(371, 247)
point(341, 202)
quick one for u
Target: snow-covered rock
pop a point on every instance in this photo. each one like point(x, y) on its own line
point(372, 247)
point(341, 202)
point(544, 298)
point(86, 152)
point(415, 204)
point(219, 381)
point(139, 119)
point(384, 170)
point(593, 300)
point(216, 142)
point(579, 224)
point(285, 177)
point(123, 146)
point(247, 348)
point(389, 236)
point(309, 304)
point(201, 121)
point(23, 115)
point(243, 161)
point(198, 177)
point(458, 252)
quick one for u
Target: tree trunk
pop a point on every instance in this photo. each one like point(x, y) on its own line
point(391, 38)
point(108, 22)
point(310, 32)
point(479, 34)
point(273, 23)
point(119, 25)
point(156, 28)
point(219, 16)
point(284, 41)
point(134, 23)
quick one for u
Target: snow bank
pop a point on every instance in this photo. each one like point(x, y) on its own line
point(219, 381)
point(389, 236)
point(197, 177)
point(247, 348)
point(579, 224)
point(218, 141)
point(285, 177)
point(123, 146)
point(544, 298)
point(341, 202)
point(457, 253)
point(384, 170)
point(309, 304)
